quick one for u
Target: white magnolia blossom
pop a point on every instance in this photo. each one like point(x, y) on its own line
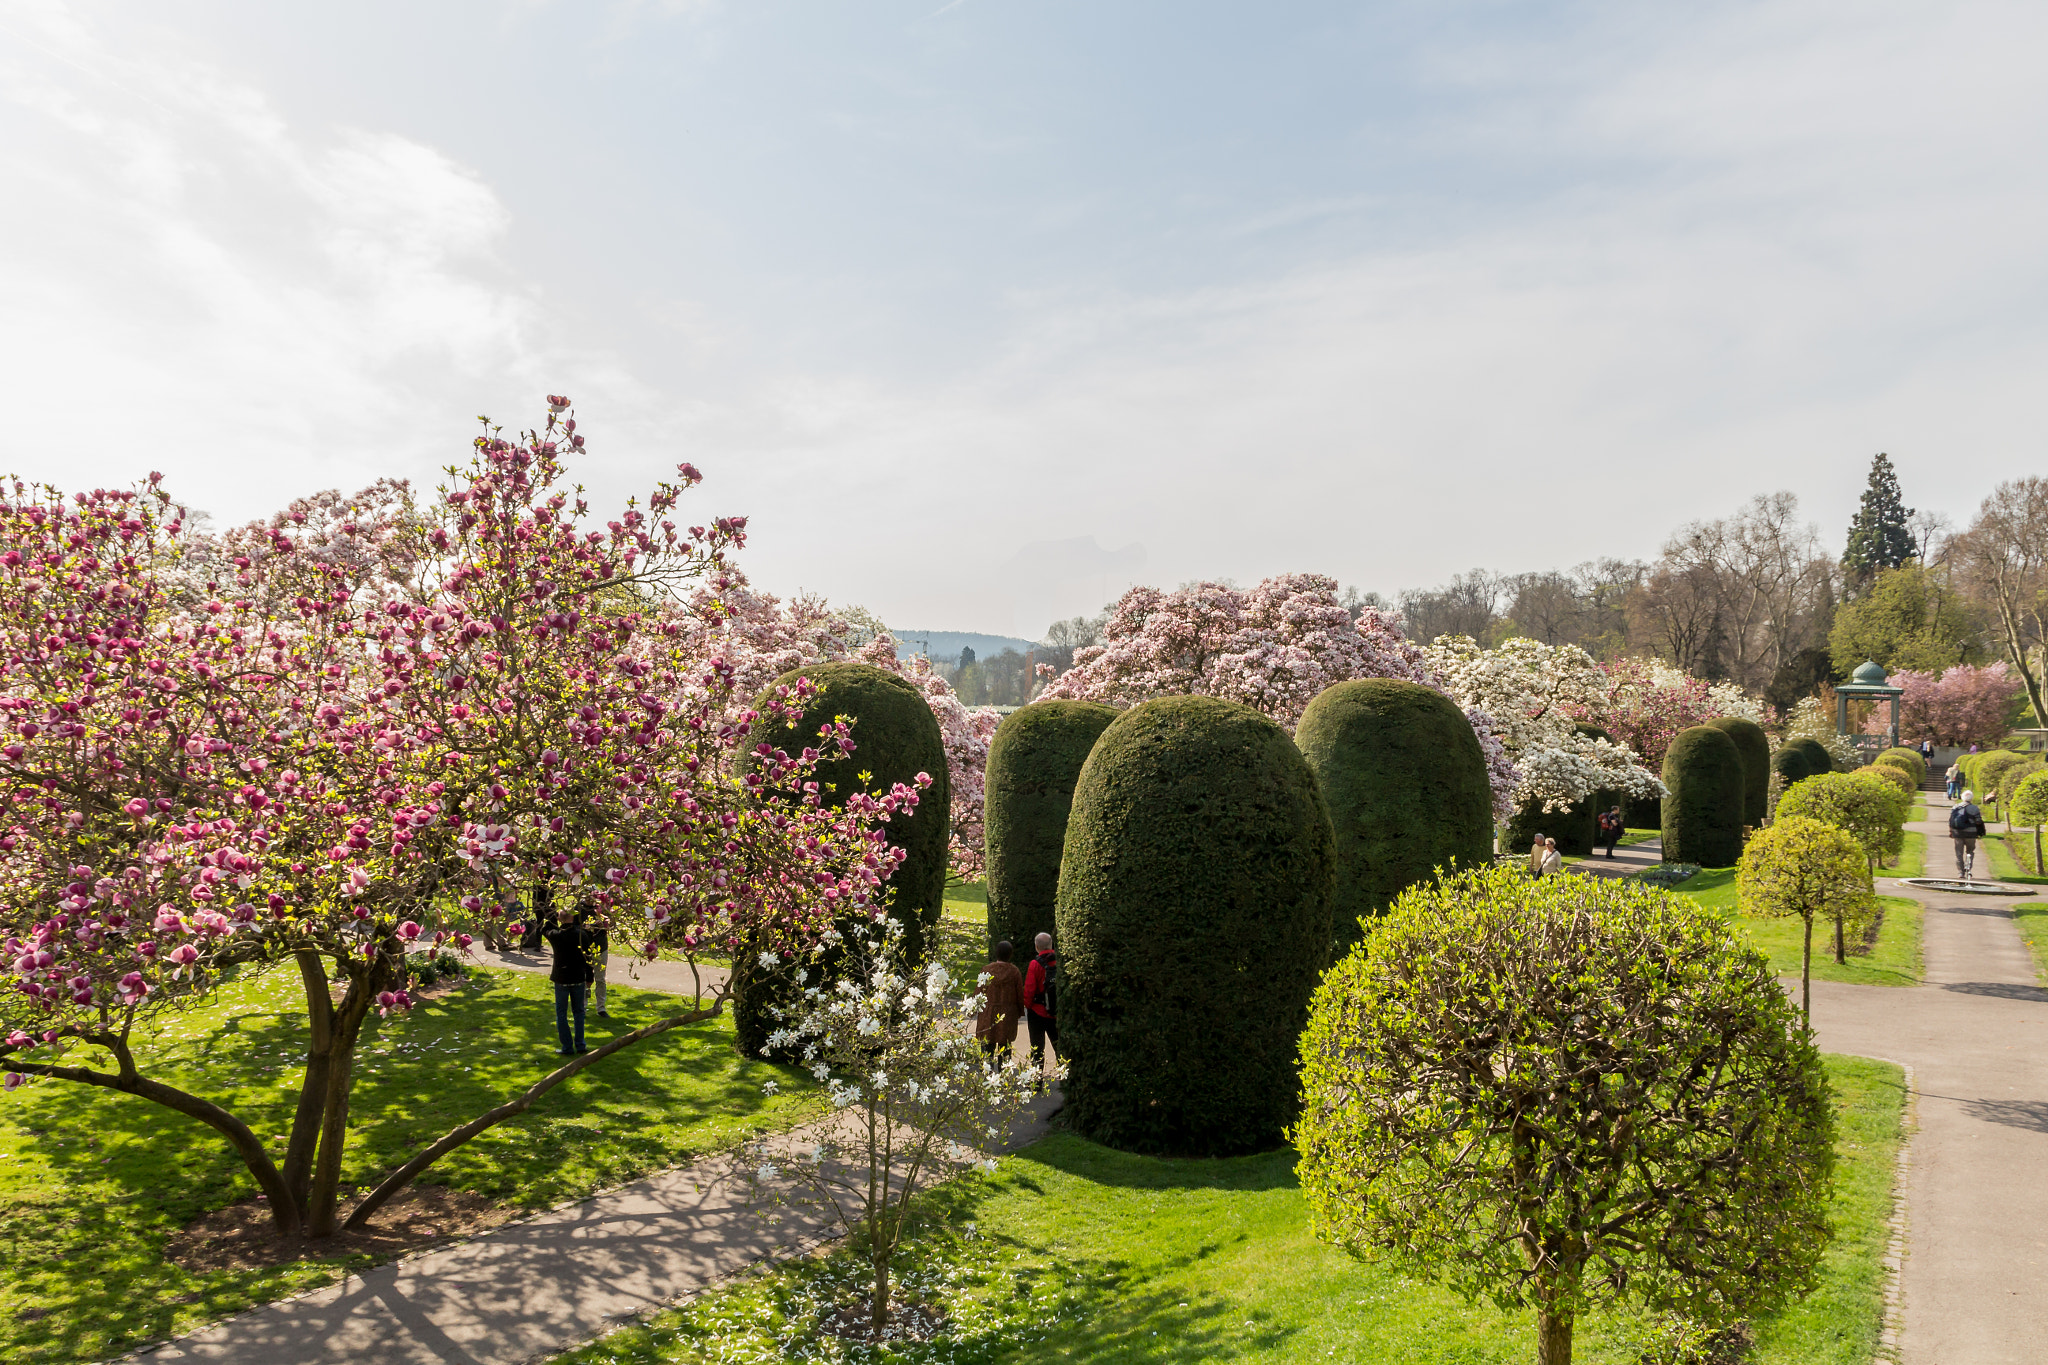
point(1530, 690)
point(1810, 720)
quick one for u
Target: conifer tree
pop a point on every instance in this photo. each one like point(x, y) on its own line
point(1878, 535)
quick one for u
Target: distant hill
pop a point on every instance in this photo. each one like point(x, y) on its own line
point(945, 644)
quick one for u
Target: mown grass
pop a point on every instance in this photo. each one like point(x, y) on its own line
point(92, 1182)
point(1073, 1252)
point(2005, 854)
point(2031, 918)
point(1894, 960)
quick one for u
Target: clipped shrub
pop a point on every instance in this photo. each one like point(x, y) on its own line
point(2030, 807)
point(1892, 774)
point(1033, 763)
point(895, 738)
point(1868, 808)
point(1702, 817)
point(1812, 869)
point(1406, 786)
point(1818, 759)
point(1791, 766)
point(1193, 922)
point(1991, 768)
point(1755, 747)
point(1910, 760)
point(2009, 783)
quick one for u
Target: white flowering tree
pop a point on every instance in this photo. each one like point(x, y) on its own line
point(913, 1098)
point(1534, 693)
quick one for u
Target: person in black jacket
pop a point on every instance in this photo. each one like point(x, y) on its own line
point(1966, 827)
point(570, 943)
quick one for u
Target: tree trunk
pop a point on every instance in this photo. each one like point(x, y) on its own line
point(879, 1308)
point(1553, 1338)
point(1841, 954)
point(1806, 972)
point(324, 1193)
point(305, 1138)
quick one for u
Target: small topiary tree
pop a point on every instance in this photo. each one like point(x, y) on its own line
point(2030, 807)
point(1812, 869)
point(1892, 776)
point(1755, 747)
point(1558, 1092)
point(2009, 783)
point(1406, 785)
point(896, 739)
point(1193, 921)
point(1869, 808)
point(1908, 759)
point(1791, 768)
point(1033, 763)
point(1818, 759)
point(1990, 769)
point(1703, 813)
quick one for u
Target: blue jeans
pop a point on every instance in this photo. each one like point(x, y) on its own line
point(569, 996)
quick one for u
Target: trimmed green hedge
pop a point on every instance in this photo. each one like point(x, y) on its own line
point(1755, 747)
point(1790, 765)
point(1033, 763)
point(1703, 813)
point(895, 738)
point(1989, 769)
point(1818, 759)
point(1405, 782)
point(1910, 760)
point(1194, 921)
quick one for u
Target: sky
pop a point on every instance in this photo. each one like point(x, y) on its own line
point(984, 311)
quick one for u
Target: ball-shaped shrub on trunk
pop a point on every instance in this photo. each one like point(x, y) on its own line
point(895, 738)
point(1910, 760)
point(1193, 921)
point(1703, 814)
point(1033, 763)
point(1755, 748)
point(1406, 785)
point(1599, 1072)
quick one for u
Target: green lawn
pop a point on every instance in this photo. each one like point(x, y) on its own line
point(1639, 836)
point(92, 1182)
point(1074, 1252)
point(1912, 857)
point(2032, 919)
point(967, 900)
point(1894, 961)
point(2004, 865)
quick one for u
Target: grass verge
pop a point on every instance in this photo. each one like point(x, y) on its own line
point(967, 900)
point(92, 1182)
point(1073, 1252)
point(1894, 960)
point(2031, 918)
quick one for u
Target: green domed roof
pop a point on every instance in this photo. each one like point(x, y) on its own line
point(1868, 674)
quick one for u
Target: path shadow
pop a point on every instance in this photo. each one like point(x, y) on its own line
point(2029, 1114)
point(2000, 989)
point(1993, 910)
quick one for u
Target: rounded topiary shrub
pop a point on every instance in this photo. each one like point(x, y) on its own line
point(1991, 768)
point(1889, 773)
point(1406, 786)
point(1033, 763)
point(1703, 814)
point(1791, 766)
point(1818, 759)
point(1755, 747)
point(1910, 760)
point(1193, 923)
point(895, 737)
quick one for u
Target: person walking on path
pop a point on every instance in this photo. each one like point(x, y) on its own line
point(1536, 857)
point(1610, 829)
point(1927, 751)
point(570, 944)
point(1002, 1001)
point(1954, 779)
point(1553, 861)
point(1041, 1000)
point(1966, 827)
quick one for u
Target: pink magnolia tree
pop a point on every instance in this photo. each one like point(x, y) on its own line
point(330, 754)
point(762, 637)
point(1964, 704)
point(1646, 702)
point(1273, 647)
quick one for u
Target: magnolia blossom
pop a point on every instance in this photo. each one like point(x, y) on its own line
point(1963, 705)
point(1272, 648)
point(1534, 693)
point(1646, 702)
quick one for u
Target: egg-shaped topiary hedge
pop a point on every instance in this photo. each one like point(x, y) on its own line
point(1033, 763)
point(1755, 747)
point(1818, 759)
point(1703, 813)
point(1791, 766)
point(1889, 773)
point(1406, 785)
point(1908, 759)
point(1193, 923)
point(895, 738)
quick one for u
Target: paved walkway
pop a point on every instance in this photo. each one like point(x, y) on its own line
point(1975, 1277)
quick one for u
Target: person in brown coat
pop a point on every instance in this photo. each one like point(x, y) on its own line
point(1002, 996)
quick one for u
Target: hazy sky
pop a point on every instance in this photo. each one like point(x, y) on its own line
point(983, 310)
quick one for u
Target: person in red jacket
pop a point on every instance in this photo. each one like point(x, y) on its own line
point(1041, 1000)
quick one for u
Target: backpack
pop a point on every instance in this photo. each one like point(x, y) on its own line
point(1966, 821)
point(1048, 993)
